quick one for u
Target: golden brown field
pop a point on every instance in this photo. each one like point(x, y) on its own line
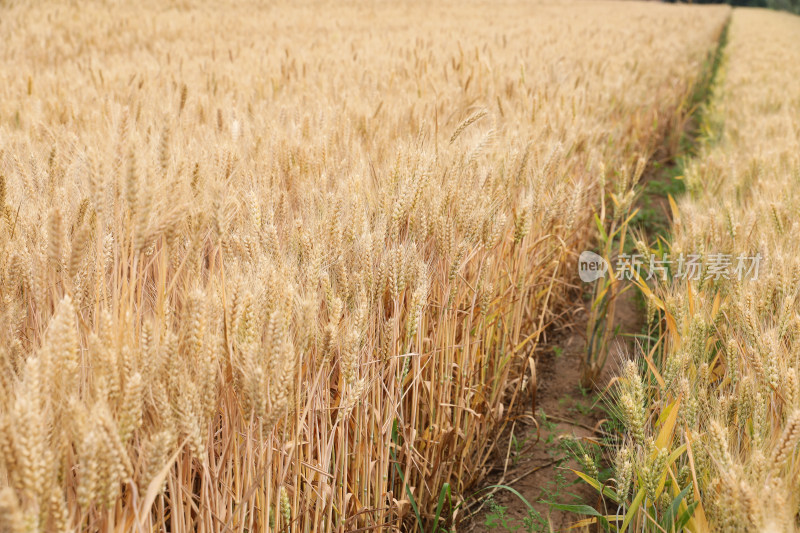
point(287, 266)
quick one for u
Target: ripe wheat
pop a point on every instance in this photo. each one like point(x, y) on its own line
point(730, 362)
point(283, 266)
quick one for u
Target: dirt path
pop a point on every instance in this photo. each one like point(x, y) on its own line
point(532, 456)
point(534, 461)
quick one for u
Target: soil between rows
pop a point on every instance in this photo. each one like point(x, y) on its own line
point(538, 468)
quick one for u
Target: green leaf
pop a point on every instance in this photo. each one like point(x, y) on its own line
point(512, 491)
point(444, 493)
point(637, 501)
point(672, 512)
point(597, 486)
point(582, 509)
point(396, 440)
point(685, 517)
point(600, 228)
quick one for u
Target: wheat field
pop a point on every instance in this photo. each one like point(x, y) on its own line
point(722, 411)
point(285, 267)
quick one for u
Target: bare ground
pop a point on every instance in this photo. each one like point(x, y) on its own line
point(536, 465)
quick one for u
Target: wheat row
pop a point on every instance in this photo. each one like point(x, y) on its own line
point(719, 409)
